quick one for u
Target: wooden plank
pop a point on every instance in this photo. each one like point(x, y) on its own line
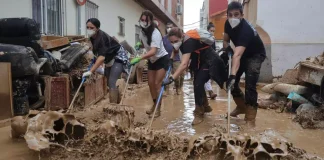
point(49, 42)
point(89, 94)
point(6, 107)
point(95, 91)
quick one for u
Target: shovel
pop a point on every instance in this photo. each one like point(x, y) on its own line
point(126, 86)
point(229, 95)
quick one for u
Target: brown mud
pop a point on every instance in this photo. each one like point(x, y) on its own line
point(173, 132)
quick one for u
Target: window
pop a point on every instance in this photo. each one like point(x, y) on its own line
point(137, 32)
point(91, 10)
point(121, 26)
point(49, 14)
point(170, 6)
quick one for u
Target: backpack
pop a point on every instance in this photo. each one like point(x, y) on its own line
point(203, 36)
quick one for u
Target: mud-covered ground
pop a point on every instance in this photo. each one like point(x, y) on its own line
point(176, 118)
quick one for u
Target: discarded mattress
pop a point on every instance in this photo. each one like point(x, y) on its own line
point(24, 60)
point(284, 88)
point(19, 27)
point(72, 55)
point(23, 41)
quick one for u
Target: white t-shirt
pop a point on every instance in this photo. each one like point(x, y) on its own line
point(156, 42)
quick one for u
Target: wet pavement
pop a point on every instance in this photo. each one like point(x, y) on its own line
point(177, 116)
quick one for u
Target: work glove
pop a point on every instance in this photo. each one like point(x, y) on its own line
point(86, 74)
point(230, 83)
point(135, 60)
point(167, 81)
point(138, 46)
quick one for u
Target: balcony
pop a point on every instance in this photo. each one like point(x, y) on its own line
point(158, 10)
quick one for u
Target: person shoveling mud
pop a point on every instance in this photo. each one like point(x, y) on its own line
point(109, 52)
point(158, 60)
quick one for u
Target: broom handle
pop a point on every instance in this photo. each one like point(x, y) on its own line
point(229, 96)
point(126, 86)
point(77, 92)
point(159, 98)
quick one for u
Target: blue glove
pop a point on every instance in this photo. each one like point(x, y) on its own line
point(167, 81)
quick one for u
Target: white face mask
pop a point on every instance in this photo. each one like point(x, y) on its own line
point(177, 45)
point(144, 24)
point(91, 32)
point(168, 30)
point(234, 22)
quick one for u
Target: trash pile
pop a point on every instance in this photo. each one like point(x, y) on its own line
point(109, 133)
point(319, 60)
point(47, 70)
point(300, 91)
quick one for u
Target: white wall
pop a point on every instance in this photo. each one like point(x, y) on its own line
point(108, 16)
point(295, 28)
point(15, 8)
point(71, 16)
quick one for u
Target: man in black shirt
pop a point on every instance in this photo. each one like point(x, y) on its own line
point(249, 53)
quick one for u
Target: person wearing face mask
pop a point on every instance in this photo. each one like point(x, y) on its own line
point(174, 60)
point(109, 52)
point(208, 86)
point(249, 54)
point(205, 63)
point(158, 60)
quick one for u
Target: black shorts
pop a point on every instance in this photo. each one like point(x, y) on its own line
point(162, 62)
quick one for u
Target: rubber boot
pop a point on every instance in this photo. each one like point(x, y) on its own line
point(250, 115)
point(151, 110)
point(157, 113)
point(212, 95)
point(240, 107)
point(113, 95)
point(206, 106)
point(199, 115)
point(178, 91)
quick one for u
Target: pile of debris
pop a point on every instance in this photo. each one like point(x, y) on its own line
point(299, 91)
point(47, 70)
point(319, 60)
point(109, 133)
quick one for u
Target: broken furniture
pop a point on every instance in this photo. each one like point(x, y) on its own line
point(72, 55)
point(21, 31)
point(141, 72)
point(50, 42)
point(24, 61)
point(313, 74)
point(58, 91)
point(6, 108)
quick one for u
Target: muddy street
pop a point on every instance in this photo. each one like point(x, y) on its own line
point(177, 117)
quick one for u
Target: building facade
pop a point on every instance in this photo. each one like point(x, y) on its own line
point(118, 18)
point(290, 31)
point(204, 15)
point(214, 11)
